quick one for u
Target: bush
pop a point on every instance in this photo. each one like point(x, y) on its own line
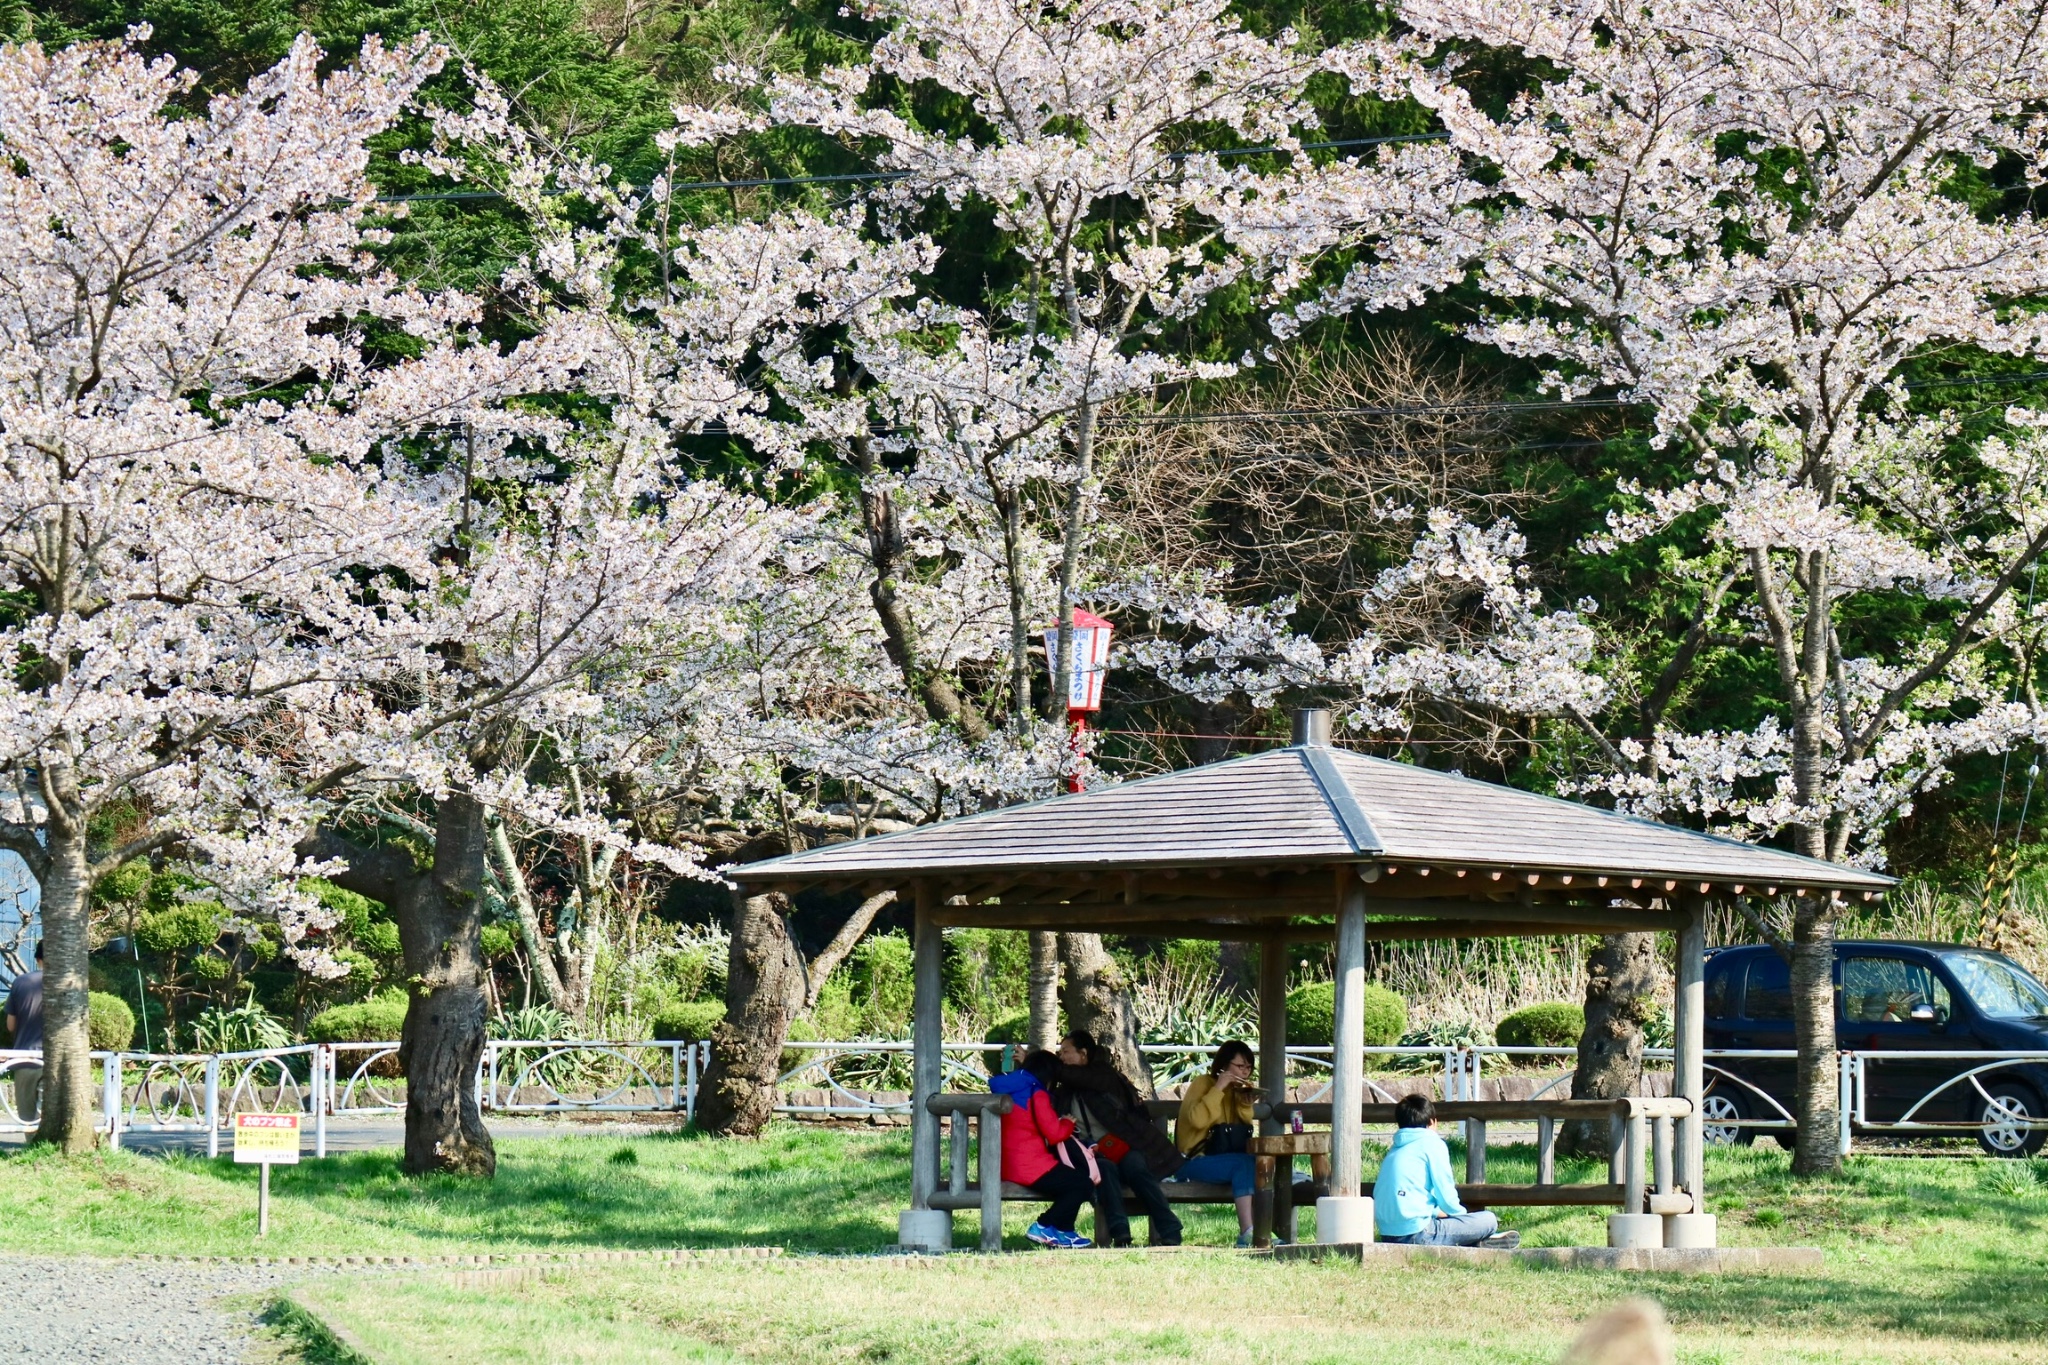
point(985, 971)
point(179, 928)
point(690, 1022)
point(1013, 1028)
point(245, 1028)
point(109, 1023)
point(880, 978)
point(494, 941)
point(380, 1019)
point(1312, 1015)
point(533, 1024)
point(1557, 1024)
point(801, 1030)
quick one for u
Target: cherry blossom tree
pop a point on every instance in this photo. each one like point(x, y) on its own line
point(182, 310)
point(1748, 215)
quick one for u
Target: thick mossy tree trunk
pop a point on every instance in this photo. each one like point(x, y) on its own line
point(1098, 1001)
point(765, 987)
point(1621, 978)
point(440, 920)
point(65, 1119)
point(1817, 1145)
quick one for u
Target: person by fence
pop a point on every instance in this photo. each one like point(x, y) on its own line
point(25, 1022)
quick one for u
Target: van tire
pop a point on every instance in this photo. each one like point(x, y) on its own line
point(1719, 1110)
point(2011, 1100)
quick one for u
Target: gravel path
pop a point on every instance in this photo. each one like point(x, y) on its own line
point(129, 1312)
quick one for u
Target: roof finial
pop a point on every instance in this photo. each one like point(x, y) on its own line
point(1312, 726)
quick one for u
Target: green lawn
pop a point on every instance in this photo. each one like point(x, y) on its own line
point(1928, 1260)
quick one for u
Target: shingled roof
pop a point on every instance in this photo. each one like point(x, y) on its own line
point(1308, 804)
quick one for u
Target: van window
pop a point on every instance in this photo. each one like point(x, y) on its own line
point(1769, 995)
point(1721, 992)
point(1886, 990)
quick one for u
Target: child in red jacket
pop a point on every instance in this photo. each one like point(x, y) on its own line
point(1038, 1154)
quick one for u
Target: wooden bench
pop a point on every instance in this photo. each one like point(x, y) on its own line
point(1643, 1126)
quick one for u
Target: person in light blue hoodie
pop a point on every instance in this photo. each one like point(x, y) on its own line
point(1415, 1199)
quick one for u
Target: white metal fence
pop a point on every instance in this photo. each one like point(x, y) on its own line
point(864, 1079)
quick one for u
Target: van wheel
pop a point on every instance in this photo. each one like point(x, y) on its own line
point(1722, 1114)
point(2014, 1122)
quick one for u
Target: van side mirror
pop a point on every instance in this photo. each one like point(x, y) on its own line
point(1924, 1014)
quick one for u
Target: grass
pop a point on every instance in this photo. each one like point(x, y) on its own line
point(1929, 1260)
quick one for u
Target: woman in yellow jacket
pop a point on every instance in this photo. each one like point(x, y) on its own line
point(1215, 1125)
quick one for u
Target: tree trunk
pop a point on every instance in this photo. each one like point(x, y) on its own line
point(1098, 1001)
point(1817, 1146)
point(66, 1115)
point(1042, 991)
point(1621, 975)
point(764, 989)
point(440, 919)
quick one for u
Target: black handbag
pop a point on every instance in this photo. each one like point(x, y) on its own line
point(1228, 1139)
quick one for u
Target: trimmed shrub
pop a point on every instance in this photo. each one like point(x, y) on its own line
point(181, 927)
point(494, 941)
point(880, 982)
point(801, 1030)
point(1013, 1028)
point(380, 1019)
point(109, 1023)
point(1557, 1024)
point(689, 1022)
point(1312, 1015)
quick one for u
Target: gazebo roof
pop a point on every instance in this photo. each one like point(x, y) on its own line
point(1313, 805)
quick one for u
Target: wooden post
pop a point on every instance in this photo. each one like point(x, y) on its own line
point(263, 1200)
point(991, 1159)
point(1475, 1151)
point(1273, 1029)
point(1344, 1216)
point(922, 1226)
point(1546, 1151)
point(1273, 1068)
point(1688, 1081)
point(1688, 1075)
point(1347, 1080)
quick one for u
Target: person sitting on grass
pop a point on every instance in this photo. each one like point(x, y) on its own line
point(1039, 1151)
point(1215, 1129)
point(1415, 1200)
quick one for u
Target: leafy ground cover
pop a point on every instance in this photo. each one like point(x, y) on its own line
point(1929, 1259)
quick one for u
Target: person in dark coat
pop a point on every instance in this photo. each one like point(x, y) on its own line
point(1133, 1152)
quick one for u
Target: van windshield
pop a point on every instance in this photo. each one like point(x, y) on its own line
point(2001, 988)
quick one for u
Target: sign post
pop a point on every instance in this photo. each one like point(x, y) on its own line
point(265, 1140)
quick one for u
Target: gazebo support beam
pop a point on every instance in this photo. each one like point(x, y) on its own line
point(1696, 1229)
point(1379, 931)
point(1346, 1214)
point(921, 1226)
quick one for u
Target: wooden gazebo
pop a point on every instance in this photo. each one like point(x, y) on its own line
point(1306, 843)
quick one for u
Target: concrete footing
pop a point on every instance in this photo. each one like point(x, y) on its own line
point(1634, 1231)
point(1344, 1218)
point(1669, 1260)
point(1689, 1231)
point(925, 1229)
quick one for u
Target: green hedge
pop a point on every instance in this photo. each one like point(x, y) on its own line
point(689, 1022)
point(109, 1023)
point(1312, 1015)
point(378, 1020)
point(1557, 1024)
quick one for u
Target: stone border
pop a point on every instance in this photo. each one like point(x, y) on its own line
point(1674, 1260)
point(503, 1258)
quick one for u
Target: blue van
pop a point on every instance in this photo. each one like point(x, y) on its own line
point(1895, 998)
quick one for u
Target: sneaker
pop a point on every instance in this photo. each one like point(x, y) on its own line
point(1244, 1239)
point(1070, 1241)
point(1502, 1241)
point(1041, 1235)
